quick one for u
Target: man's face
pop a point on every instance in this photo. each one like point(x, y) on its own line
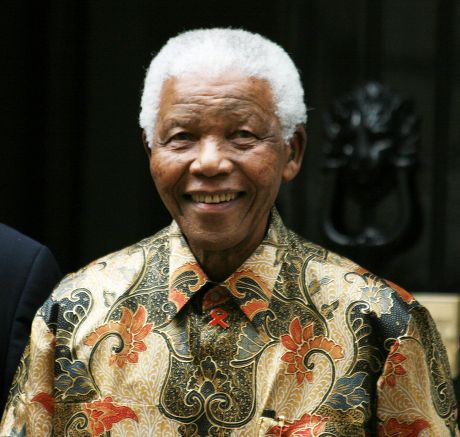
point(218, 158)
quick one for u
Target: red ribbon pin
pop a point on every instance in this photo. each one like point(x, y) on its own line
point(218, 316)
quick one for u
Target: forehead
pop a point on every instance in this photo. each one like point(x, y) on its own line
point(232, 96)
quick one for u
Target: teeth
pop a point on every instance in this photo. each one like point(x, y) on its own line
point(213, 198)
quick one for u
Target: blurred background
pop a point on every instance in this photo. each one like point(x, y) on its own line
point(73, 172)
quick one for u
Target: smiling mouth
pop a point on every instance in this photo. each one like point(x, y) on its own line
point(213, 198)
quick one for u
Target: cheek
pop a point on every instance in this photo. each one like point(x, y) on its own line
point(156, 171)
point(159, 176)
point(165, 169)
point(267, 172)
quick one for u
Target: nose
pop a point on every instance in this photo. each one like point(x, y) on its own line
point(211, 159)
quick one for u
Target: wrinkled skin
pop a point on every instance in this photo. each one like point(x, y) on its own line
point(217, 159)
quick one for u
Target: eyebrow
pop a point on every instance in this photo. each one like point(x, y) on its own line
point(185, 114)
point(170, 123)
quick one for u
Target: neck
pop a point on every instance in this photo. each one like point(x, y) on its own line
point(220, 264)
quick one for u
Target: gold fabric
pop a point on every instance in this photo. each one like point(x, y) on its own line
point(297, 342)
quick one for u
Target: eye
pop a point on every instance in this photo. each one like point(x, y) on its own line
point(181, 137)
point(243, 138)
point(242, 134)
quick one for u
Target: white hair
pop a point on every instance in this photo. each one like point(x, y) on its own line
point(215, 51)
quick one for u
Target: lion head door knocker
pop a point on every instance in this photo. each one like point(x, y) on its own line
point(371, 137)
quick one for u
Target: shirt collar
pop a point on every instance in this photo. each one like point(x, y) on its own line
point(251, 285)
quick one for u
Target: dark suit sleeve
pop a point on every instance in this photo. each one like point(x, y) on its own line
point(34, 282)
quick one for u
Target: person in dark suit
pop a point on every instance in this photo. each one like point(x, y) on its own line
point(28, 273)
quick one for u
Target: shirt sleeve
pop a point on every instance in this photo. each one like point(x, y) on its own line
point(414, 392)
point(42, 275)
point(29, 410)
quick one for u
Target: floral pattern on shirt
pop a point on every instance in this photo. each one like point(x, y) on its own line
point(301, 343)
point(131, 330)
point(394, 367)
point(310, 344)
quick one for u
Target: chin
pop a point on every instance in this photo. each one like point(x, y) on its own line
point(211, 243)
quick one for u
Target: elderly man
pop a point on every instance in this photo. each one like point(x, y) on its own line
point(226, 323)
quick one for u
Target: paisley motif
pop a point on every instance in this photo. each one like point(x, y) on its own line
point(312, 345)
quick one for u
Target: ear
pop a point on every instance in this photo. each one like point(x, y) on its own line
point(295, 147)
point(146, 144)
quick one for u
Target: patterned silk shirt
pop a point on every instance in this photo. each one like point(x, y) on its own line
point(297, 342)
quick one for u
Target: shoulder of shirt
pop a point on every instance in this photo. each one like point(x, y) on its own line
point(116, 271)
point(326, 268)
point(314, 253)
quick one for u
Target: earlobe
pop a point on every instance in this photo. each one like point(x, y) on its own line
point(146, 144)
point(296, 147)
